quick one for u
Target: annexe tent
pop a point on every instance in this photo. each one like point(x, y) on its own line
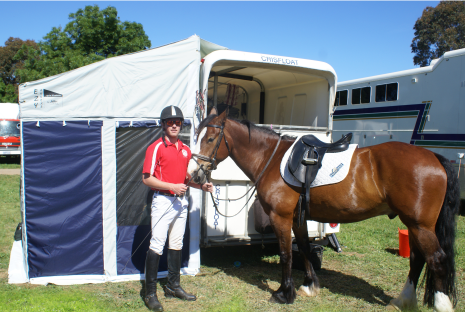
point(84, 135)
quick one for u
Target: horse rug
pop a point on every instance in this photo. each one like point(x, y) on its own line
point(334, 168)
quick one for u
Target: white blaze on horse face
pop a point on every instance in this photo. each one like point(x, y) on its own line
point(193, 166)
point(407, 298)
point(442, 303)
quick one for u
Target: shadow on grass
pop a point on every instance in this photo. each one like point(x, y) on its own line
point(394, 251)
point(255, 271)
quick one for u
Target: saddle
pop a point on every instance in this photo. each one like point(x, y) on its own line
point(304, 162)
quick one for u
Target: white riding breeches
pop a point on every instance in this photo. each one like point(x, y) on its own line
point(169, 215)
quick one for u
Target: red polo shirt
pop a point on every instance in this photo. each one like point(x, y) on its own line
point(167, 163)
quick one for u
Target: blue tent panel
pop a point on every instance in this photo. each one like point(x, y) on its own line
point(63, 197)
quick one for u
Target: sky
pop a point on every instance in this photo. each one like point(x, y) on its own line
point(357, 38)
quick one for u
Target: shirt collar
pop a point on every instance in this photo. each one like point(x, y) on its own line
point(180, 144)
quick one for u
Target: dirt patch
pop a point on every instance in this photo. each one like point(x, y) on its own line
point(10, 171)
point(356, 254)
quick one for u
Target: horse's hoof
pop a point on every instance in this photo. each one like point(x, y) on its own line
point(277, 299)
point(306, 291)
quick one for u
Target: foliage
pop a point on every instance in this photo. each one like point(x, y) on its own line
point(438, 30)
point(9, 81)
point(91, 35)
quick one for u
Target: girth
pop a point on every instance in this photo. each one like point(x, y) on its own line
point(304, 162)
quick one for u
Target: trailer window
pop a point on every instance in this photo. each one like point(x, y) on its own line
point(361, 95)
point(387, 92)
point(341, 98)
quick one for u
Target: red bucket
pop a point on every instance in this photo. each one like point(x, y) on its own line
point(404, 247)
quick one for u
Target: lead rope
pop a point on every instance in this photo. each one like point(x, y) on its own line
point(254, 186)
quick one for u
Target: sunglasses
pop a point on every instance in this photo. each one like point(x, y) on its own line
point(170, 123)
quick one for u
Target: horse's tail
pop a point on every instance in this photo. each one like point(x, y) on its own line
point(445, 232)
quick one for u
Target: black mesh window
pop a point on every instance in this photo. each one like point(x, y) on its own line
point(133, 198)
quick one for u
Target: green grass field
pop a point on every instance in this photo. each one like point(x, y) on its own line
point(364, 277)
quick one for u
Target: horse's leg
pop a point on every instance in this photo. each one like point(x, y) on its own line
point(311, 286)
point(282, 228)
point(408, 297)
point(427, 245)
point(436, 261)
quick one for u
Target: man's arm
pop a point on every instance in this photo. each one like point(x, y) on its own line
point(151, 181)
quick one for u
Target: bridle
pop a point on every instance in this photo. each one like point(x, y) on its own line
point(213, 165)
point(212, 159)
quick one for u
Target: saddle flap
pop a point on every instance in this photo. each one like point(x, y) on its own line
point(294, 163)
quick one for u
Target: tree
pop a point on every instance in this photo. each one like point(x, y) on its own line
point(9, 65)
point(438, 30)
point(91, 35)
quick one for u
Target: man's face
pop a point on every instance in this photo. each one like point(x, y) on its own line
point(173, 127)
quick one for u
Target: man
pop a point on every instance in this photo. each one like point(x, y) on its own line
point(165, 171)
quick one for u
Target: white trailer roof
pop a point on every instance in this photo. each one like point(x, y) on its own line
point(272, 70)
point(426, 69)
point(9, 111)
point(136, 85)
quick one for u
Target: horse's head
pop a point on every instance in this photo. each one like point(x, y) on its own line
point(212, 147)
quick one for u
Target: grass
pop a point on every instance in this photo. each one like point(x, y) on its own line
point(365, 277)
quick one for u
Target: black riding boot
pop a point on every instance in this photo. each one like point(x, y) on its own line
point(172, 288)
point(151, 271)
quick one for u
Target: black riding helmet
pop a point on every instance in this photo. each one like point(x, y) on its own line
point(171, 112)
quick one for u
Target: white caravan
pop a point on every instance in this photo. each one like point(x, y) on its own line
point(292, 96)
point(422, 106)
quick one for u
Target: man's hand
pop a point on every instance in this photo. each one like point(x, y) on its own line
point(179, 189)
point(207, 187)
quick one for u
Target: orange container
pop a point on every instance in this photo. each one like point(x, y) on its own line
point(404, 247)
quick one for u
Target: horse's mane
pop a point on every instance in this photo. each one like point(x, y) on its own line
point(250, 125)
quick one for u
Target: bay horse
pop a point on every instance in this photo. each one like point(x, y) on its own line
point(392, 179)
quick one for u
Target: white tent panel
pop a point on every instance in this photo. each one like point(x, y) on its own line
point(135, 85)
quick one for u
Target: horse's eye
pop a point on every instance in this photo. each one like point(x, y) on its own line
point(210, 140)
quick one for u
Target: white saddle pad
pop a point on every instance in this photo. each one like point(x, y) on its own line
point(334, 168)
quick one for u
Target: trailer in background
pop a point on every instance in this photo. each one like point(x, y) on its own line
point(9, 130)
point(422, 106)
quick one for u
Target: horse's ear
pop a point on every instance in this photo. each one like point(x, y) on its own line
point(225, 113)
point(213, 111)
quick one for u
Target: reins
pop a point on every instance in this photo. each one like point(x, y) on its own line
point(212, 161)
